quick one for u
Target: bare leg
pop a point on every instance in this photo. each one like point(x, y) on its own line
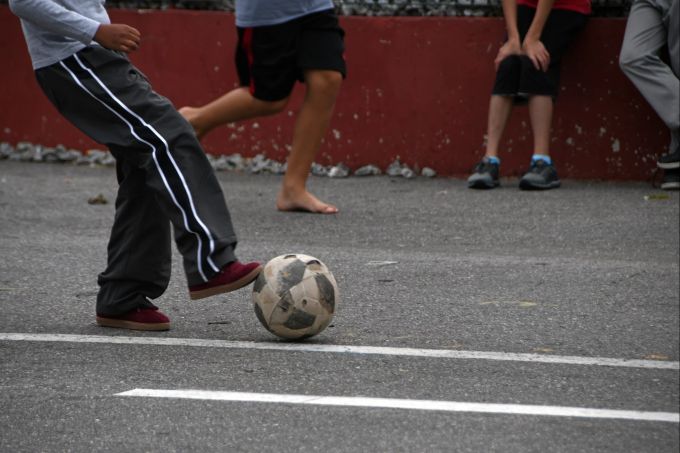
point(500, 108)
point(310, 127)
point(540, 112)
point(236, 105)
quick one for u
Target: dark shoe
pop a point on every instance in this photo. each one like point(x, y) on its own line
point(138, 319)
point(541, 176)
point(671, 180)
point(485, 176)
point(233, 276)
point(669, 161)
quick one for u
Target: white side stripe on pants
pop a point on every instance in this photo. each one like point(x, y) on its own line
point(174, 164)
point(153, 149)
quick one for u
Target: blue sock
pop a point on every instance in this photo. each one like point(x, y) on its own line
point(542, 157)
point(493, 160)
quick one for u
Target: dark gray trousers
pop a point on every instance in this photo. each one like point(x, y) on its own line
point(651, 25)
point(164, 176)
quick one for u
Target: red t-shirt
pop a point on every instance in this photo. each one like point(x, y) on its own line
point(580, 6)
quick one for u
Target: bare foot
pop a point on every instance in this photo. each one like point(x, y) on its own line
point(303, 202)
point(190, 114)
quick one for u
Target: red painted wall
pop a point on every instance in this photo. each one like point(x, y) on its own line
point(418, 89)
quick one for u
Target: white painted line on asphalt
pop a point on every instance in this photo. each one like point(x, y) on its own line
point(390, 403)
point(346, 349)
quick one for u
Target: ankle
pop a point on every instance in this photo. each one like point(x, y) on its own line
point(544, 157)
point(292, 189)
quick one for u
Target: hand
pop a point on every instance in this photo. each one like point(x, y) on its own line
point(118, 37)
point(537, 53)
point(511, 47)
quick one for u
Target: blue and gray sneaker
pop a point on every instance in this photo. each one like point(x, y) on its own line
point(485, 175)
point(541, 176)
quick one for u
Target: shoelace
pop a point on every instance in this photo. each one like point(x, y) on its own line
point(483, 167)
point(538, 166)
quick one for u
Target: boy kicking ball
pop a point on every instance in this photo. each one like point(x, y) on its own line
point(163, 174)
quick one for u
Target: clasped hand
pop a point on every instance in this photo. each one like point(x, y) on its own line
point(118, 37)
point(533, 49)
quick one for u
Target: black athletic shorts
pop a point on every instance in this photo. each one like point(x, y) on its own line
point(517, 76)
point(270, 59)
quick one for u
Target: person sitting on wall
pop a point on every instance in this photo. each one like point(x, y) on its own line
point(527, 71)
point(651, 26)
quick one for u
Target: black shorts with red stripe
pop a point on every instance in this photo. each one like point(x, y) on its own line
point(270, 59)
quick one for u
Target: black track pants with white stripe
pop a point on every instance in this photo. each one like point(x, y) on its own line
point(165, 178)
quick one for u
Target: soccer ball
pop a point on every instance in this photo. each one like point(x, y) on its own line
point(294, 296)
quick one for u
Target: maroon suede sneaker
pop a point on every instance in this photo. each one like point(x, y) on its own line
point(233, 276)
point(137, 319)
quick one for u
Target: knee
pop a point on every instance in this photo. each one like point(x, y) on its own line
point(626, 60)
point(509, 66)
point(271, 107)
point(326, 83)
point(629, 61)
point(527, 65)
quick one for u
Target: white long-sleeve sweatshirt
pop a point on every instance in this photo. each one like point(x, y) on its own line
point(56, 29)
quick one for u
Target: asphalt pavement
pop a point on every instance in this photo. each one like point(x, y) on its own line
point(504, 299)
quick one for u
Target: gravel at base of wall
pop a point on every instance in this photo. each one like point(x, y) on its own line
point(259, 164)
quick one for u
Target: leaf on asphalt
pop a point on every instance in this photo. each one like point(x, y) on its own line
point(526, 303)
point(543, 350)
point(657, 196)
point(381, 263)
point(99, 199)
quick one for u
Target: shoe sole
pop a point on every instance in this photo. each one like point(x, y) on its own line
point(483, 185)
point(229, 287)
point(123, 324)
point(670, 185)
point(669, 165)
point(530, 186)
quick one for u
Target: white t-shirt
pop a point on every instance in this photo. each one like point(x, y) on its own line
point(257, 13)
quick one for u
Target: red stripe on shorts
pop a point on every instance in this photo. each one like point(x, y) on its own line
point(248, 49)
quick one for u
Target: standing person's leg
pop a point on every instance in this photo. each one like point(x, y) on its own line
point(540, 115)
point(139, 254)
point(321, 65)
point(310, 127)
point(500, 108)
point(505, 89)
point(672, 158)
point(651, 25)
point(672, 23)
point(542, 88)
point(486, 172)
point(542, 173)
